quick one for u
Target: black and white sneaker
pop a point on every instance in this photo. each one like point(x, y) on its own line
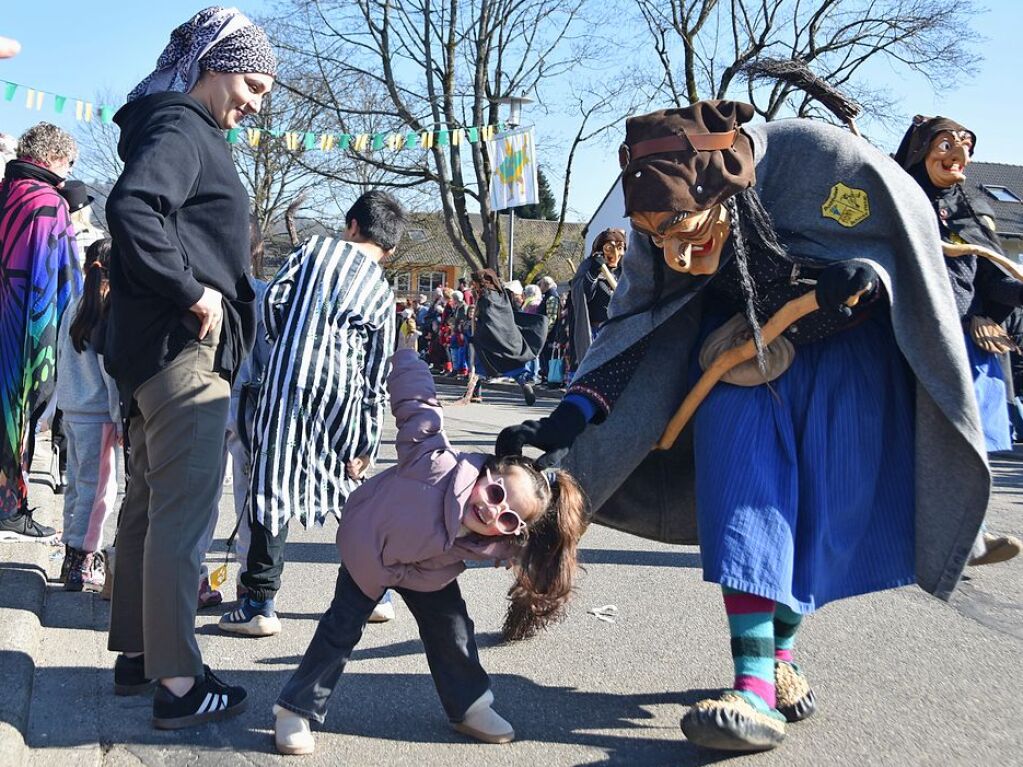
point(130, 676)
point(209, 700)
point(21, 527)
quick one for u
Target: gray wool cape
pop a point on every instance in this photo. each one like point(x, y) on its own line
point(799, 165)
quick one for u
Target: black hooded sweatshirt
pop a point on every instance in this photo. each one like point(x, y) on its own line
point(179, 219)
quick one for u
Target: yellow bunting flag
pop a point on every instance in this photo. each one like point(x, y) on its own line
point(426, 140)
point(327, 142)
point(253, 135)
point(88, 111)
point(395, 141)
point(34, 99)
point(361, 141)
point(456, 136)
point(487, 133)
point(291, 140)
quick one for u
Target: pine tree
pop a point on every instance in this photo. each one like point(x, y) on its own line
point(547, 208)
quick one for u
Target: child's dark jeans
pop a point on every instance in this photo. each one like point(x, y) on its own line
point(444, 626)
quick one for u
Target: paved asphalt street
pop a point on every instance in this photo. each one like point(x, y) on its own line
point(901, 678)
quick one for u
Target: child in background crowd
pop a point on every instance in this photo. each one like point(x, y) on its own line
point(408, 332)
point(410, 528)
point(92, 422)
point(447, 331)
point(459, 351)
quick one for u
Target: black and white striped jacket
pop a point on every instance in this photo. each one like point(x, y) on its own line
point(329, 314)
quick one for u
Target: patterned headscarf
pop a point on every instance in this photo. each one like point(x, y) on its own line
point(216, 39)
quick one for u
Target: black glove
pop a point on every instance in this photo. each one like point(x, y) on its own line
point(840, 282)
point(553, 434)
point(597, 260)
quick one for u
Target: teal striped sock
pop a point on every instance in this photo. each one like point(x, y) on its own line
point(751, 623)
point(786, 624)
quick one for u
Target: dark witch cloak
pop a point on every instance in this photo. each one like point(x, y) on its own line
point(832, 197)
point(504, 339)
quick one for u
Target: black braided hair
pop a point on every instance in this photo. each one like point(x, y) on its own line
point(752, 233)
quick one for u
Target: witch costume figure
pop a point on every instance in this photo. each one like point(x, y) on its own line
point(818, 470)
point(936, 151)
point(592, 287)
point(504, 341)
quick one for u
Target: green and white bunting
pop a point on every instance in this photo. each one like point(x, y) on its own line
point(37, 99)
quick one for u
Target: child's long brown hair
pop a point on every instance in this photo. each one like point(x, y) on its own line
point(93, 306)
point(545, 570)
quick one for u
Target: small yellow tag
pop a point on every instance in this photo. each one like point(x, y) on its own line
point(846, 205)
point(218, 576)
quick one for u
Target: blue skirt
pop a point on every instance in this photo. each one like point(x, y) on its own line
point(805, 488)
point(992, 398)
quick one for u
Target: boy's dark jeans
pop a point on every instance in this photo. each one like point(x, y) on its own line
point(444, 626)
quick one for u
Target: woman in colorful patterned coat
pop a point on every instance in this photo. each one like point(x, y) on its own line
point(39, 276)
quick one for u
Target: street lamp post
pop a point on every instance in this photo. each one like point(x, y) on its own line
point(514, 120)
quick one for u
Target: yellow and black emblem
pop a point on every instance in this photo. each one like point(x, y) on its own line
point(846, 205)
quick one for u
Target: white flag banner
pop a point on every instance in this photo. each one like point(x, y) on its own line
point(513, 165)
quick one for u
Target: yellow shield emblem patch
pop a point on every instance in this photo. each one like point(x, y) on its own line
point(846, 205)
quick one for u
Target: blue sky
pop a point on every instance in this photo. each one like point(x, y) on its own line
point(111, 44)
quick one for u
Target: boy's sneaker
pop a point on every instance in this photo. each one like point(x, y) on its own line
point(209, 700)
point(384, 609)
point(21, 527)
point(130, 676)
point(254, 619)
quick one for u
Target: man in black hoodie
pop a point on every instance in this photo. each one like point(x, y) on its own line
point(181, 320)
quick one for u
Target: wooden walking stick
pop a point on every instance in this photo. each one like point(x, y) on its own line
point(784, 318)
point(1013, 269)
point(607, 275)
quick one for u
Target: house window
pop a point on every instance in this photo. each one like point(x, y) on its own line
point(416, 235)
point(430, 280)
point(1001, 193)
point(402, 283)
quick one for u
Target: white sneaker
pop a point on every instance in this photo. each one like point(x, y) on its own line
point(484, 724)
point(384, 610)
point(291, 733)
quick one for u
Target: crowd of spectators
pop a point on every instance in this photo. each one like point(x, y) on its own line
point(440, 327)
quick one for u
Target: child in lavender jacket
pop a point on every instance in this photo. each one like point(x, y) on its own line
point(410, 528)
